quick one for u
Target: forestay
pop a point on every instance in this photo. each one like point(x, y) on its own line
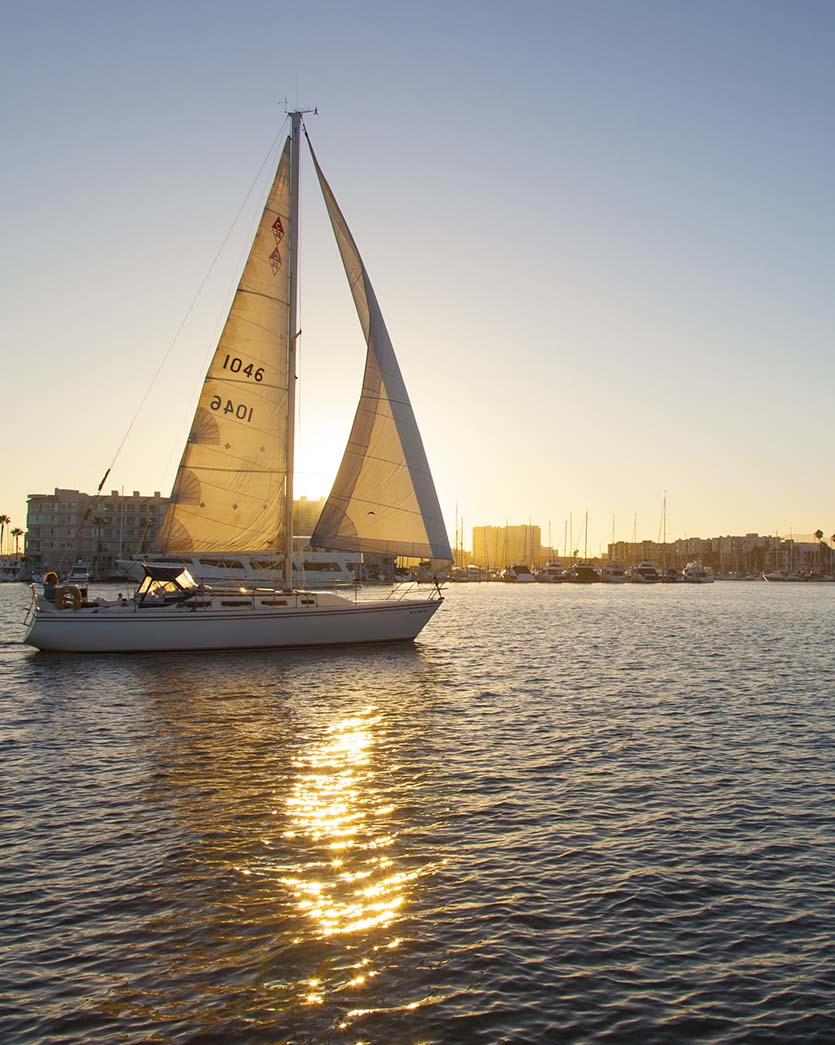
point(230, 487)
point(383, 499)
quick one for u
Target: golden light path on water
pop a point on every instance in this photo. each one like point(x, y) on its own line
point(343, 818)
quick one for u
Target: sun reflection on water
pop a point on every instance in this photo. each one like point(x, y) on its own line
point(336, 807)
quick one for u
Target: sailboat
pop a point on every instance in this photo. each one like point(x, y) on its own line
point(584, 572)
point(234, 485)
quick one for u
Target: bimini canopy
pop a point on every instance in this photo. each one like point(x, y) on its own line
point(175, 574)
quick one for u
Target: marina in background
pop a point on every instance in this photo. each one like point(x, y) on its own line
point(64, 533)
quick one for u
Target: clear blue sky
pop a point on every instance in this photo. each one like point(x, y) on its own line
point(602, 235)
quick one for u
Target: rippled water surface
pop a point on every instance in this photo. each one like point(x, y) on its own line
point(566, 814)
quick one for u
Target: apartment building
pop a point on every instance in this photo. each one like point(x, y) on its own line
point(69, 526)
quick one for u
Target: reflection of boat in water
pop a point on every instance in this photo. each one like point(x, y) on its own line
point(697, 573)
point(582, 573)
point(518, 573)
point(645, 572)
point(234, 485)
point(613, 573)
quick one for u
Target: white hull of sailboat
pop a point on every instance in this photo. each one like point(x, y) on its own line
point(127, 629)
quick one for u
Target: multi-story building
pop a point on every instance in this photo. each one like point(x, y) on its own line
point(306, 514)
point(495, 547)
point(748, 554)
point(69, 526)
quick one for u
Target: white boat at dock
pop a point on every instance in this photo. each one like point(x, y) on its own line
point(518, 573)
point(697, 573)
point(311, 569)
point(552, 572)
point(613, 573)
point(10, 571)
point(645, 572)
point(584, 572)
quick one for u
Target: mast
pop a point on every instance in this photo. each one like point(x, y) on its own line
point(292, 334)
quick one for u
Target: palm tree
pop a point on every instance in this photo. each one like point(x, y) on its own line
point(4, 521)
point(17, 533)
point(819, 538)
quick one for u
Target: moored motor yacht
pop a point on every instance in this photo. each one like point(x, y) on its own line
point(78, 573)
point(697, 573)
point(10, 570)
point(645, 572)
point(583, 573)
point(613, 573)
point(551, 573)
point(518, 573)
point(311, 569)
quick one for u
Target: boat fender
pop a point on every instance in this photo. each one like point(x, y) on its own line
point(66, 595)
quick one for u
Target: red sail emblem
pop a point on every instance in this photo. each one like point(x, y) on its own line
point(275, 261)
point(278, 230)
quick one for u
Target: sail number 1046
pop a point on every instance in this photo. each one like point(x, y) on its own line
point(237, 366)
point(239, 410)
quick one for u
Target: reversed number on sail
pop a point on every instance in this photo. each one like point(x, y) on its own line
point(237, 366)
point(239, 410)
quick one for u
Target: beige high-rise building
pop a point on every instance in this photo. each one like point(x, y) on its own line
point(495, 547)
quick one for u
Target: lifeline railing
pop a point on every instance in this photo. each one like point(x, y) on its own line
point(30, 609)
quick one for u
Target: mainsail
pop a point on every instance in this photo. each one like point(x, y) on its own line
point(230, 489)
point(383, 499)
